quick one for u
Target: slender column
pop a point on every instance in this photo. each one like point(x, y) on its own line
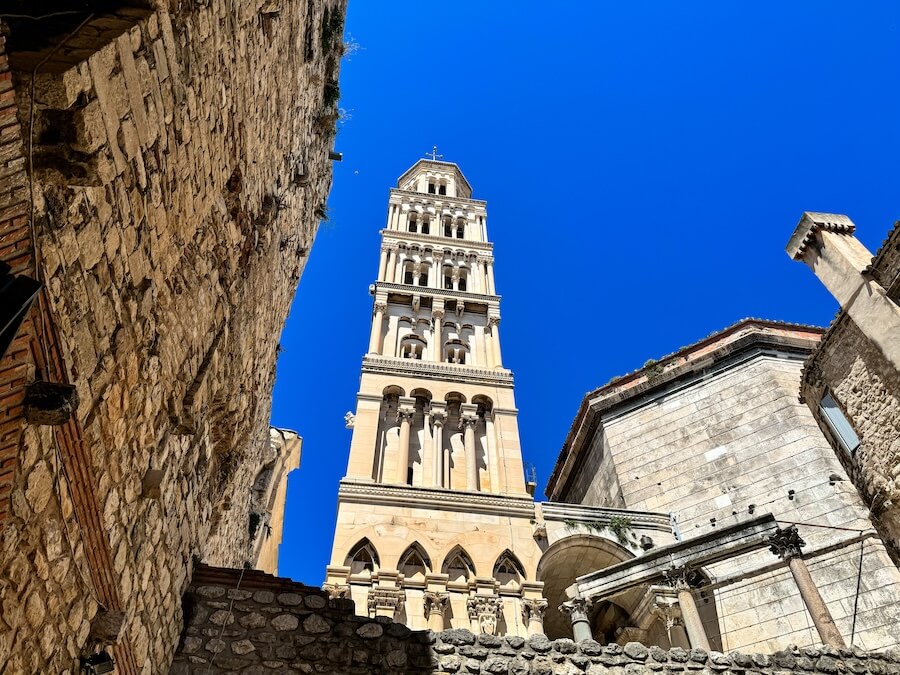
point(467, 421)
point(391, 265)
point(435, 609)
point(375, 340)
point(678, 578)
point(490, 275)
point(786, 544)
point(438, 257)
point(382, 263)
point(438, 417)
point(437, 317)
point(533, 615)
point(404, 416)
point(577, 609)
point(494, 323)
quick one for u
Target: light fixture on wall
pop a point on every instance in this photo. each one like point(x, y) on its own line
point(98, 664)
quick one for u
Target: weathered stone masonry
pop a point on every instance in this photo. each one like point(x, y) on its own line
point(179, 173)
point(255, 623)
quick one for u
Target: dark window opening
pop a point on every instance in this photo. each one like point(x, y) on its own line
point(442, 190)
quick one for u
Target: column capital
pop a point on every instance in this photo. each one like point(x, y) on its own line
point(485, 609)
point(436, 603)
point(786, 542)
point(493, 321)
point(438, 416)
point(385, 600)
point(681, 578)
point(533, 608)
point(576, 608)
point(405, 414)
point(468, 421)
point(380, 307)
point(337, 591)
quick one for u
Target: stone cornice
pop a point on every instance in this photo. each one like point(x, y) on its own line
point(397, 237)
point(810, 223)
point(438, 499)
point(436, 371)
point(427, 196)
point(437, 292)
point(645, 520)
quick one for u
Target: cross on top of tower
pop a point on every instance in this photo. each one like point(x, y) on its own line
point(434, 154)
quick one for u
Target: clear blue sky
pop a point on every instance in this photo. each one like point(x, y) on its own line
point(644, 164)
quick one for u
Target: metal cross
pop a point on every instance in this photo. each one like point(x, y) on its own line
point(434, 154)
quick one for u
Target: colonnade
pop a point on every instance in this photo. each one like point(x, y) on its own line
point(393, 260)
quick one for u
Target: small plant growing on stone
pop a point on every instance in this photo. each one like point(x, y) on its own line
point(620, 526)
point(331, 94)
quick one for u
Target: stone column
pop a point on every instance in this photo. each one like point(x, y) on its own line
point(494, 323)
point(825, 242)
point(438, 258)
point(437, 316)
point(678, 578)
point(438, 417)
point(390, 272)
point(404, 417)
point(577, 609)
point(467, 421)
point(786, 544)
point(533, 615)
point(490, 275)
point(375, 340)
point(382, 263)
point(435, 609)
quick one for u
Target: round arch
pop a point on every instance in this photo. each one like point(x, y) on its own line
point(564, 561)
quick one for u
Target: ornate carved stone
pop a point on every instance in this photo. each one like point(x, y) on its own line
point(405, 413)
point(468, 421)
point(484, 610)
point(385, 601)
point(682, 578)
point(493, 321)
point(337, 591)
point(533, 608)
point(539, 530)
point(436, 603)
point(576, 608)
point(786, 542)
point(380, 307)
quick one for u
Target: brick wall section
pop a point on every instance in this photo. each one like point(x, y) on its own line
point(174, 215)
point(259, 624)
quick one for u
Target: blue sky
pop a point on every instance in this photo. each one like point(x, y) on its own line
point(644, 164)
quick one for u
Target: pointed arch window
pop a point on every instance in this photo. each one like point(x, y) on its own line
point(508, 570)
point(414, 562)
point(362, 558)
point(458, 566)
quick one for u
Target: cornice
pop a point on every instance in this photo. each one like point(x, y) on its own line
point(648, 520)
point(436, 371)
point(437, 499)
point(810, 223)
point(428, 197)
point(398, 236)
point(437, 292)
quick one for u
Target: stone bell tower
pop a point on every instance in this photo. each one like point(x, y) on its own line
point(434, 521)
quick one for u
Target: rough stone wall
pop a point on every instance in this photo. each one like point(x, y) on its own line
point(259, 624)
point(179, 176)
point(867, 388)
point(708, 451)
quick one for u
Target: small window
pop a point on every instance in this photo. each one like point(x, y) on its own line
point(839, 424)
point(442, 190)
point(423, 279)
point(462, 283)
point(431, 188)
point(412, 225)
point(460, 231)
point(408, 277)
point(426, 227)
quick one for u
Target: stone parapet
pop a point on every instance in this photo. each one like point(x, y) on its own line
point(240, 623)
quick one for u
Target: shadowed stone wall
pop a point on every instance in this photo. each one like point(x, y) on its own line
point(255, 623)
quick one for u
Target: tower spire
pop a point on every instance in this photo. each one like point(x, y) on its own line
point(434, 154)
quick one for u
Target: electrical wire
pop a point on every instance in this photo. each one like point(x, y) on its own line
point(858, 584)
point(225, 622)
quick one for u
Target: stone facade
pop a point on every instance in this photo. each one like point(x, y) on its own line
point(854, 367)
point(253, 623)
point(173, 177)
point(714, 434)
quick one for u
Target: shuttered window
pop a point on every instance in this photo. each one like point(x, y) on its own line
point(839, 425)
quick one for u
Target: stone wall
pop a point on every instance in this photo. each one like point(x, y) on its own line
point(179, 175)
point(867, 388)
point(253, 623)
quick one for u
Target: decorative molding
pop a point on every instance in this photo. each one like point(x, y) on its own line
point(786, 542)
point(485, 610)
point(576, 608)
point(577, 513)
point(435, 498)
point(427, 370)
point(533, 608)
point(436, 603)
point(810, 223)
point(410, 289)
point(426, 197)
point(381, 598)
point(337, 591)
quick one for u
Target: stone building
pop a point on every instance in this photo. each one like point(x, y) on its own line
point(672, 487)
point(852, 380)
point(161, 172)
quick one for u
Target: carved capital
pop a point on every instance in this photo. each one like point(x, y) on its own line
point(436, 603)
point(468, 421)
point(337, 591)
point(437, 314)
point(380, 307)
point(786, 542)
point(493, 321)
point(438, 417)
point(485, 609)
point(576, 608)
point(533, 608)
point(385, 601)
point(405, 414)
point(681, 578)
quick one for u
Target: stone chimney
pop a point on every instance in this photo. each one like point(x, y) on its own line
point(825, 242)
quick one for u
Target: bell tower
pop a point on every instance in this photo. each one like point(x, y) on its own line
point(434, 518)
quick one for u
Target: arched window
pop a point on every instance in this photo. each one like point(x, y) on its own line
point(362, 558)
point(508, 570)
point(460, 228)
point(458, 566)
point(442, 188)
point(413, 222)
point(448, 226)
point(412, 346)
point(463, 275)
point(455, 351)
point(423, 275)
point(426, 225)
point(409, 273)
point(431, 187)
point(414, 562)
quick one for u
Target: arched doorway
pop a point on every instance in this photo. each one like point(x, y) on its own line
point(561, 564)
